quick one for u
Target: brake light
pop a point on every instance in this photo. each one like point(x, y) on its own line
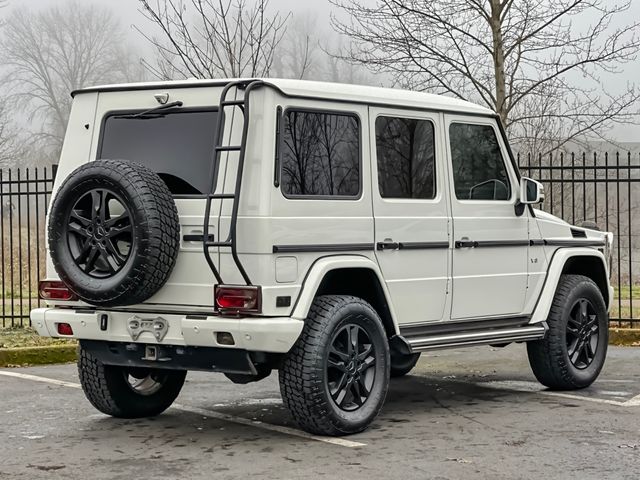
point(238, 298)
point(55, 290)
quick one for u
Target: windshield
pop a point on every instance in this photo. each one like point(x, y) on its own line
point(176, 145)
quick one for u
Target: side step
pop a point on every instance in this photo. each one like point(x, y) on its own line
point(464, 339)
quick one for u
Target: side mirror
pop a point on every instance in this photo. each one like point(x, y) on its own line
point(531, 191)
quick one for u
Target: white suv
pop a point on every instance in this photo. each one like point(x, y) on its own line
point(331, 232)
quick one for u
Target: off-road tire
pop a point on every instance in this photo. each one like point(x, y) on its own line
point(155, 236)
point(549, 357)
point(303, 375)
point(401, 363)
point(106, 387)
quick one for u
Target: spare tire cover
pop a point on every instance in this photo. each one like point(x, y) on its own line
point(114, 232)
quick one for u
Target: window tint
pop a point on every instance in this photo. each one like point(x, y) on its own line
point(406, 164)
point(478, 167)
point(176, 145)
point(320, 154)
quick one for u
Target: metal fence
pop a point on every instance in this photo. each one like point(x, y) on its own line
point(597, 187)
point(600, 188)
point(24, 196)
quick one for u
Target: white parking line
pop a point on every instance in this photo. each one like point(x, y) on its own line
point(35, 378)
point(267, 426)
point(531, 387)
point(211, 414)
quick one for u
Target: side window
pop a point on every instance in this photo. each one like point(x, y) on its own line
point(479, 172)
point(406, 158)
point(320, 154)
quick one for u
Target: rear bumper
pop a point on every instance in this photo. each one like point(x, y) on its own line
point(257, 334)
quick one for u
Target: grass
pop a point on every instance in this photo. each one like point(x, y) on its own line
point(627, 292)
point(27, 337)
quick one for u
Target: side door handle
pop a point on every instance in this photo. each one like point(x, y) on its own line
point(387, 245)
point(465, 243)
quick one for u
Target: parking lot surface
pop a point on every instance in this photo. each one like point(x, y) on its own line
point(469, 413)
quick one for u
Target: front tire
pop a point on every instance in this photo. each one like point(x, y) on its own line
point(573, 352)
point(335, 378)
point(125, 392)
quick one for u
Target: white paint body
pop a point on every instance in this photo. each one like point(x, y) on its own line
point(421, 286)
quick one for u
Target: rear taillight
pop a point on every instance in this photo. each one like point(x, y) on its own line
point(238, 298)
point(55, 290)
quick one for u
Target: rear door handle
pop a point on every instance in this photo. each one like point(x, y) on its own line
point(466, 243)
point(387, 245)
point(195, 237)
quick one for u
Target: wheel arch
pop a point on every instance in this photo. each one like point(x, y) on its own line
point(577, 261)
point(347, 275)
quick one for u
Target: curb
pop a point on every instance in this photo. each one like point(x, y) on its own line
point(626, 337)
point(45, 355)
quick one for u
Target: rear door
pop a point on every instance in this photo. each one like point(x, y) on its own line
point(490, 258)
point(411, 212)
point(177, 144)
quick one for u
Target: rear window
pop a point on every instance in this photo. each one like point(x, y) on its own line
point(176, 145)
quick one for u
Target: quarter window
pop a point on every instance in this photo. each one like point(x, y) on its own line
point(320, 154)
point(479, 172)
point(406, 158)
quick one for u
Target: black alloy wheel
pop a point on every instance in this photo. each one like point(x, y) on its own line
point(350, 373)
point(574, 349)
point(582, 334)
point(100, 233)
point(113, 232)
point(335, 378)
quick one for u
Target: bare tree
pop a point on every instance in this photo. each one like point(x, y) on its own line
point(8, 142)
point(48, 53)
point(542, 65)
point(298, 54)
point(212, 38)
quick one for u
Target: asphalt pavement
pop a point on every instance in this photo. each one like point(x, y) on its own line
point(472, 413)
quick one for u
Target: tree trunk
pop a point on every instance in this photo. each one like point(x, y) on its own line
point(498, 60)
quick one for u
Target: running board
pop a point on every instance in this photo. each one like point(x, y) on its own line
point(468, 339)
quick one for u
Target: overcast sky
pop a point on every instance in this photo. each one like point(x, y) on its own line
point(321, 9)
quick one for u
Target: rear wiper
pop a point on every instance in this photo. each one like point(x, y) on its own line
point(150, 113)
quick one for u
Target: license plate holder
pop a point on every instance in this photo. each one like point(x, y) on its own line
point(157, 326)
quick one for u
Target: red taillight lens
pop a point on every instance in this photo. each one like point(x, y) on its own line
point(55, 290)
point(64, 329)
point(238, 299)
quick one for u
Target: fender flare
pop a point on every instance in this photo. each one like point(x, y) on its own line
point(558, 262)
point(321, 267)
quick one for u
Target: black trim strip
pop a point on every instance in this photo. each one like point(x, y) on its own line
point(336, 247)
point(502, 243)
point(436, 328)
point(576, 242)
point(491, 243)
point(422, 245)
point(537, 242)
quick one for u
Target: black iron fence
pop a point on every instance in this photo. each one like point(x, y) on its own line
point(595, 187)
point(601, 188)
point(24, 196)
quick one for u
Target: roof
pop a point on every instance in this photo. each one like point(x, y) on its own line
point(321, 90)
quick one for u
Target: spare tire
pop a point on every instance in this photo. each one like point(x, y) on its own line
point(114, 232)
